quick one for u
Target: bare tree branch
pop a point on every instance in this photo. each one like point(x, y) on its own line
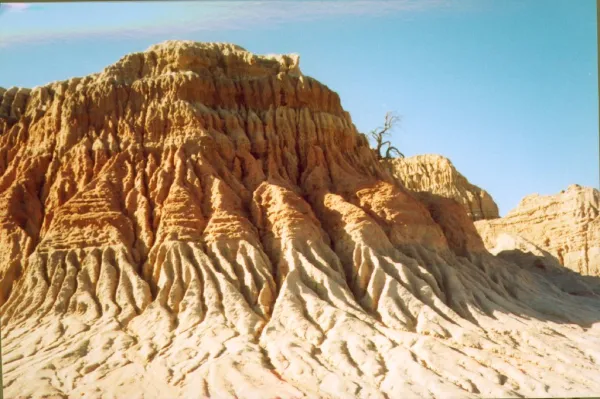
point(377, 135)
point(390, 150)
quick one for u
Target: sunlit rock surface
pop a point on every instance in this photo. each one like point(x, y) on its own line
point(437, 175)
point(566, 225)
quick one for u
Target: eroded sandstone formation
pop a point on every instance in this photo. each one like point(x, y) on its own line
point(435, 174)
point(197, 221)
point(567, 225)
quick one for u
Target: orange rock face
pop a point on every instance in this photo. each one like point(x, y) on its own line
point(197, 221)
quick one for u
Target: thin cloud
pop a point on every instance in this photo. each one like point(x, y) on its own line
point(191, 18)
point(13, 7)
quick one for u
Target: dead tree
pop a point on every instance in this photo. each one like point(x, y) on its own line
point(378, 135)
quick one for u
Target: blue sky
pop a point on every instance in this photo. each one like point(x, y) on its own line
point(507, 89)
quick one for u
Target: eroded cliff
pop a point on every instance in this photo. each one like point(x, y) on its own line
point(567, 225)
point(196, 220)
point(436, 174)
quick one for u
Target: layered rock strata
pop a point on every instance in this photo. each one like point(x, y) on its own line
point(436, 174)
point(566, 225)
point(197, 221)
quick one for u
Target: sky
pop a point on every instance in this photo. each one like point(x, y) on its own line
point(507, 89)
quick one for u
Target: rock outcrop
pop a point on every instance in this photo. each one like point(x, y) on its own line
point(566, 225)
point(436, 174)
point(198, 221)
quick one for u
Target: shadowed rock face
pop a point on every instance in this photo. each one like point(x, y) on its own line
point(567, 225)
point(200, 221)
point(436, 174)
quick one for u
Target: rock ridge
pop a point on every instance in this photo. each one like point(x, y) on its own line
point(436, 174)
point(566, 225)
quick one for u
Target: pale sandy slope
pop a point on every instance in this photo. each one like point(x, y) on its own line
point(198, 221)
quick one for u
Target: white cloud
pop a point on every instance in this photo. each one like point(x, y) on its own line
point(192, 17)
point(15, 7)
